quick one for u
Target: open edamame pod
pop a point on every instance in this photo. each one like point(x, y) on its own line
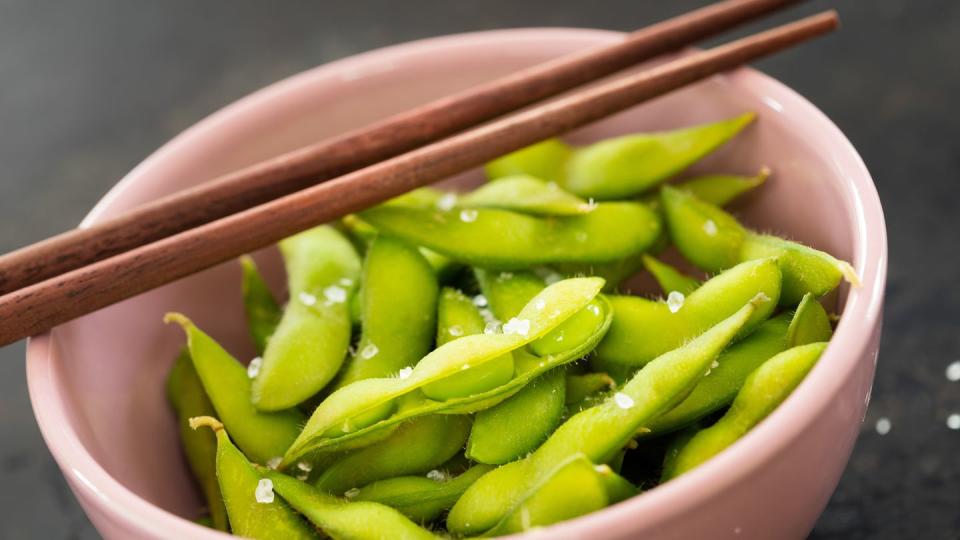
point(398, 311)
point(262, 436)
point(338, 518)
point(546, 159)
point(762, 392)
point(310, 343)
point(253, 509)
point(643, 329)
point(714, 240)
point(601, 431)
point(421, 498)
point(502, 239)
point(261, 308)
point(415, 447)
point(364, 406)
point(186, 396)
point(525, 194)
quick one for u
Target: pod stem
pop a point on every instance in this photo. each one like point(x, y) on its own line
point(178, 318)
point(206, 421)
point(849, 273)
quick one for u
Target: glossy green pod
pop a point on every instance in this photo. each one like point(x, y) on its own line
point(643, 329)
point(810, 324)
point(421, 498)
point(599, 432)
point(497, 438)
point(344, 520)
point(262, 436)
point(669, 278)
point(398, 311)
point(240, 482)
point(186, 396)
point(714, 240)
point(546, 160)
point(310, 343)
point(457, 316)
point(722, 189)
point(762, 392)
point(623, 167)
point(506, 293)
point(580, 388)
point(525, 194)
point(415, 447)
point(503, 239)
point(261, 308)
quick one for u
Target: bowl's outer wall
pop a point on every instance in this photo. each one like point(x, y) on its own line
point(96, 383)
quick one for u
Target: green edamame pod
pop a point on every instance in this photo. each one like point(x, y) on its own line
point(677, 441)
point(364, 406)
point(253, 509)
point(502, 239)
point(644, 329)
point(415, 447)
point(310, 343)
point(714, 240)
point(626, 166)
point(721, 189)
point(762, 392)
point(601, 431)
point(262, 310)
point(538, 407)
point(582, 387)
point(340, 519)
point(421, 498)
point(398, 311)
point(457, 316)
point(669, 278)
point(527, 195)
point(546, 159)
point(262, 436)
point(186, 396)
point(506, 293)
point(810, 324)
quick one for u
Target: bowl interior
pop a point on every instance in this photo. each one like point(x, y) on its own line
point(108, 368)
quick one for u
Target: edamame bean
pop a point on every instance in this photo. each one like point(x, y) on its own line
point(262, 310)
point(415, 447)
point(398, 311)
point(261, 435)
point(644, 329)
point(502, 239)
point(601, 431)
point(253, 510)
point(762, 392)
point(421, 498)
point(714, 240)
point(186, 396)
point(546, 160)
point(525, 194)
point(669, 278)
point(310, 343)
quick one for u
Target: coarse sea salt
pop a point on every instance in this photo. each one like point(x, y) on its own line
point(468, 215)
point(517, 326)
point(264, 492)
point(335, 294)
point(369, 351)
point(675, 301)
point(447, 201)
point(307, 299)
point(274, 462)
point(710, 227)
point(405, 372)
point(351, 493)
point(622, 400)
point(480, 300)
point(455, 330)
point(253, 368)
point(438, 476)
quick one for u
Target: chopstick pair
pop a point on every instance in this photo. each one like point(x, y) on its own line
point(84, 270)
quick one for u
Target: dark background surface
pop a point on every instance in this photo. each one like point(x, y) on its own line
point(88, 89)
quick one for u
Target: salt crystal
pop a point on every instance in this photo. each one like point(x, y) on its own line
point(335, 294)
point(517, 326)
point(465, 367)
point(438, 475)
point(304, 466)
point(468, 215)
point(351, 493)
point(883, 426)
point(491, 327)
point(675, 301)
point(307, 299)
point(369, 351)
point(622, 400)
point(447, 201)
point(253, 368)
point(710, 227)
point(540, 303)
point(274, 462)
point(346, 282)
point(264, 491)
point(559, 337)
point(302, 477)
point(953, 421)
point(715, 364)
point(405, 372)
point(480, 300)
point(455, 330)
point(953, 371)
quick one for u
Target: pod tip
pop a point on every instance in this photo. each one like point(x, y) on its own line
point(205, 421)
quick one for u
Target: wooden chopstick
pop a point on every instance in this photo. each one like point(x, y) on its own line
point(43, 305)
point(327, 159)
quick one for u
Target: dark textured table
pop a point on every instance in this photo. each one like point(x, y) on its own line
point(88, 89)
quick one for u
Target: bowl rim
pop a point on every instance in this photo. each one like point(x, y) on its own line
point(862, 311)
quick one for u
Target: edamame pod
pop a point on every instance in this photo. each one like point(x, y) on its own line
point(348, 413)
point(398, 311)
point(186, 396)
point(502, 239)
point(714, 240)
point(262, 436)
point(644, 329)
point(506, 293)
point(262, 310)
point(582, 387)
point(546, 159)
point(457, 316)
point(415, 447)
point(762, 392)
point(310, 343)
point(669, 278)
point(626, 166)
point(721, 189)
point(810, 324)
point(421, 498)
point(253, 509)
point(601, 431)
point(345, 520)
point(527, 195)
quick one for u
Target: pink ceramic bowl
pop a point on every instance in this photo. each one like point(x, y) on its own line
point(97, 382)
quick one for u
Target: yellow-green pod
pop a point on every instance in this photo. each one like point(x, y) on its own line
point(526, 194)
point(261, 308)
point(546, 160)
point(669, 278)
point(421, 498)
